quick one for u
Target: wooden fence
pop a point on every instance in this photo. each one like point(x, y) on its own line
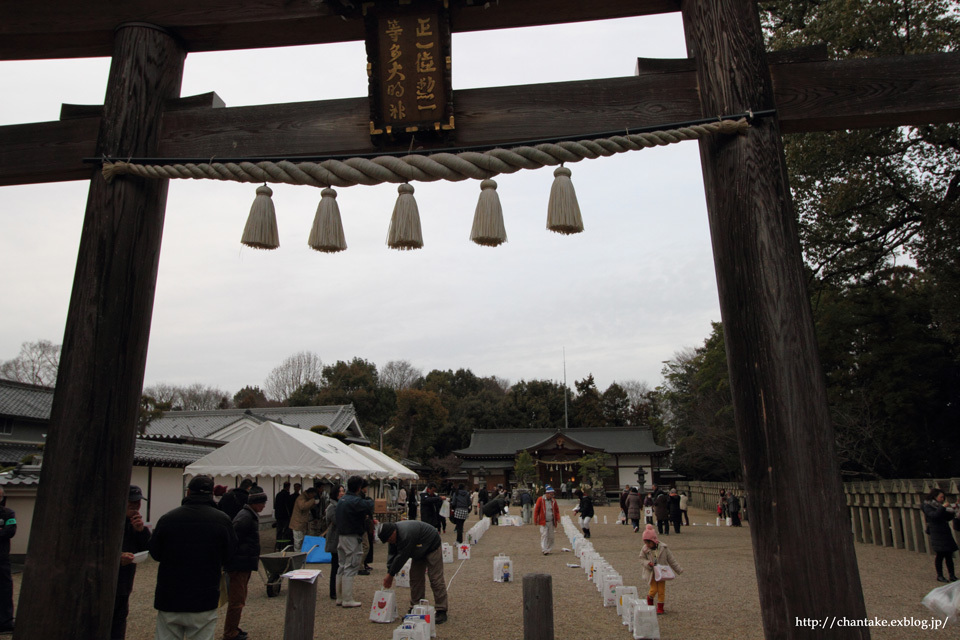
point(886, 513)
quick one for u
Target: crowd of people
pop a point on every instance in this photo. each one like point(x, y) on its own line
point(208, 547)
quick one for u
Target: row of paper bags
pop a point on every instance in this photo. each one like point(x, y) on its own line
point(476, 532)
point(639, 618)
point(419, 624)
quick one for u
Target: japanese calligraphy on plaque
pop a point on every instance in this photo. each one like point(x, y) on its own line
point(408, 55)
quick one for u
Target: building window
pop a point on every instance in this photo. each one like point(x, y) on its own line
point(6, 426)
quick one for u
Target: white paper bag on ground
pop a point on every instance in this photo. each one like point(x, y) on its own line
point(729, 522)
point(412, 628)
point(610, 584)
point(428, 613)
point(384, 607)
point(628, 602)
point(624, 592)
point(606, 573)
point(502, 569)
point(402, 579)
point(447, 553)
point(463, 551)
point(944, 601)
point(645, 623)
point(719, 522)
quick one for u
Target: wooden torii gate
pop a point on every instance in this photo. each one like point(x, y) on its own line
point(785, 436)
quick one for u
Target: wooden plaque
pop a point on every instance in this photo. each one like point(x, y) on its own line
point(408, 61)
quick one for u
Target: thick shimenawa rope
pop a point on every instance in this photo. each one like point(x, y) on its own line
point(424, 168)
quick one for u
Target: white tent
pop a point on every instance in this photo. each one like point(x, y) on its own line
point(274, 450)
point(396, 469)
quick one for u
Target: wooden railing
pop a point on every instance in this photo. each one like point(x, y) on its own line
point(886, 513)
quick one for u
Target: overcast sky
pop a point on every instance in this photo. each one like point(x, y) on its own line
point(620, 298)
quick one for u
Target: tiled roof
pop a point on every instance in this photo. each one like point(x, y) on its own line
point(167, 454)
point(200, 424)
point(27, 476)
point(25, 400)
point(507, 442)
point(11, 454)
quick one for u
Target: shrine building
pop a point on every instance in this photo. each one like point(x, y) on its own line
point(490, 458)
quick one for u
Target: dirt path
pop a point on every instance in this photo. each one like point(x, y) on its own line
point(716, 597)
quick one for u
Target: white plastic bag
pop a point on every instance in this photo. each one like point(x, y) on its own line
point(445, 509)
point(402, 579)
point(645, 623)
point(944, 601)
point(384, 607)
point(502, 569)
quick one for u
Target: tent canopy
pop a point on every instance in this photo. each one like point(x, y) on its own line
point(396, 469)
point(278, 450)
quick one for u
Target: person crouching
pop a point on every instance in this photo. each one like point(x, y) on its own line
point(653, 553)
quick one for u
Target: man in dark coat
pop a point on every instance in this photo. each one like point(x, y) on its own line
point(676, 515)
point(420, 543)
point(192, 543)
point(231, 503)
point(243, 563)
point(623, 503)
point(661, 509)
point(430, 505)
point(282, 509)
point(136, 538)
point(8, 529)
point(495, 508)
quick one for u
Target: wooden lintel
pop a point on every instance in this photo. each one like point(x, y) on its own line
point(208, 100)
point(810, 96)
point(70, 29)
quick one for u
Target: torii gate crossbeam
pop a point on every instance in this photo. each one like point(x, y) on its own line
point(785, 435)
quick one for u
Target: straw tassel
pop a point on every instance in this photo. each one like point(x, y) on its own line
point(405, 233)
point(261, 230)
point(563, 211)
point(327, 233)
point(488, 229)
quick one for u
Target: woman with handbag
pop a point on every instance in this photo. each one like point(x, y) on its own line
point(938, 517)
point(657, 565)
point(460, 509)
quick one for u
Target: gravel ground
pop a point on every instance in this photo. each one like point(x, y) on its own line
point(716, 597)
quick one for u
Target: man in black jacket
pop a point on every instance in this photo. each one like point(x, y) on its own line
point(282, 509)
point(136, 538)
point(243, 563)
point(8, 529)
point(430, 504)
point(420, 542)
point(192, 543)
point(231, 503)
point(352, 512)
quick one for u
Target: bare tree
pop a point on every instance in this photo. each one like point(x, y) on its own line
point(37, 364)
point(399, 374)
point(294, 372)
point(193, 397)
point(637, 390)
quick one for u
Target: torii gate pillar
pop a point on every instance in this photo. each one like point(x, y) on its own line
point(89, 453)
point(806, 564)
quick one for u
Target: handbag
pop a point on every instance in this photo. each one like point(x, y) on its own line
point(663, 572)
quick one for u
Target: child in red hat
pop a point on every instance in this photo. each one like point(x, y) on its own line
point(655, 553)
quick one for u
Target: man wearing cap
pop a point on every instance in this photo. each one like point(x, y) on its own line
point(246, 524)
point(192, 543)
point(546, 513)
point(419, 542)
point(136, 538)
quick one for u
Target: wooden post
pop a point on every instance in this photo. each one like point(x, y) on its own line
point(71, 571)
point(301, 610)
point(537, 606)
point(806, 565)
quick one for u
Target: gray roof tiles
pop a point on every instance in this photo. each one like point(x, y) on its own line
point(201, 424)
point(507, 442)
point(25, 400)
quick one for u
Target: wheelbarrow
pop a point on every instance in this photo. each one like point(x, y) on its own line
point(274, 565)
